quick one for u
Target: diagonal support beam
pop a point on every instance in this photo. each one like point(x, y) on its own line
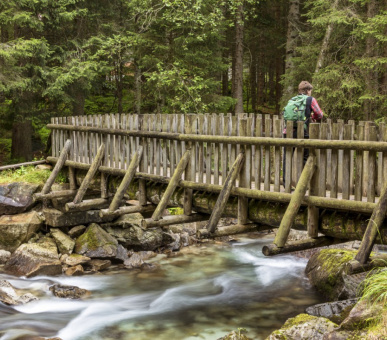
point(225, 193)
point(90, 174)
point(126, 180)
point(172, 185)
point(295, 202)
point(373, 226)
point(58, 166)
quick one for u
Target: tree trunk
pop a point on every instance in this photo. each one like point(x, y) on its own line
point(253, 78)
point(238, 83)
point(119, 86)
point(78, 101)
point(137, 80)
point(261, 73)
point(21, 140)
point(291, 41)
point(372, 78)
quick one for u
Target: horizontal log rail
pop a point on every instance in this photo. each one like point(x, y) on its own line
point(234, 140)
point(321, 202)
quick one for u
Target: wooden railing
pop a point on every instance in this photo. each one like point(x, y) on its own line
point(351, 158)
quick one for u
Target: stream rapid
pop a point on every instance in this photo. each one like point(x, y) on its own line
point(201, 292)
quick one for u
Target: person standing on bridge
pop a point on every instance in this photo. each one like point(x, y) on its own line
point(302, 107)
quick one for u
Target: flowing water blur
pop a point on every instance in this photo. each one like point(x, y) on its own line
point(201, 293)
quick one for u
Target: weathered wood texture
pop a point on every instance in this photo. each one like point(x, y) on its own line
point(165, 140)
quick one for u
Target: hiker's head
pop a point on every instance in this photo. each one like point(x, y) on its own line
point(305, 87)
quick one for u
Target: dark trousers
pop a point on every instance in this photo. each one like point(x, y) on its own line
point(306, 153)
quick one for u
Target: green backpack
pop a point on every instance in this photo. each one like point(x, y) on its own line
point(295, 109)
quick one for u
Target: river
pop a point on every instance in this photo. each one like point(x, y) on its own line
point(202, 292)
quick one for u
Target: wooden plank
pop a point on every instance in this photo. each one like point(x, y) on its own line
point(234, 129)
point(188, 199)
point(359, 166)
point(145, 144)
point(258, 154)
point(313, 211)
point(201, 150)
point(226, 131)
point(322, 185)
point(277, 156)
point(299, 151)
point(365, 158)
point(248, 153)
point(346, 164)
point(243, 201)
point(334, 162)
point(340, 123)
point(208, 151)
point(164, 150)
point(352, 160)
point(158, 145)
point(289, 158)
point(329, 154)
point(379, 156)
point(267, 179)
point(372, 167)
point(216, 131)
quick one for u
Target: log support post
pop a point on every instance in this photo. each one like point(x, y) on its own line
point(295, 202)
point(172, 185)
point(373, 226)
point(90, 174)
point(117, 200)
point(225, 194)
point(313, 212)
point(310, 243)
point(58, 166)
point(174, 219)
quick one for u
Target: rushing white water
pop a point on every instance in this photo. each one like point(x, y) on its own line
point(201, 293)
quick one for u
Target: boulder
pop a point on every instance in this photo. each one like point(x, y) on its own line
point(74, 271)
point(96, 243)
point(137, 238)
point(98, 265)
point(303, 327)
point(32, 259)
point(126, 221)
point(69, 292)
point(74, 259)
point(64, 242)
point(10, 295)
point(57, 218)
point(326, 270)
point(137, 260)
point(331, 310)
point(122, 253)
point(4, 256)
point(18, 229)
point(16, 198)
point(361, 315)
point(77, 231)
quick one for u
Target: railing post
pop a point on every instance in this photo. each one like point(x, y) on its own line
point(243, 201)
point(188, 176)
point(313, 212)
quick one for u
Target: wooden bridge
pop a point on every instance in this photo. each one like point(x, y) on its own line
point(214, 165)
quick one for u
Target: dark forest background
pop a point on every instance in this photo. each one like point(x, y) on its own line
point(75, 57)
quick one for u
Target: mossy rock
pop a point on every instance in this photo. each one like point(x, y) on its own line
point(326, 270)
point(303, 327)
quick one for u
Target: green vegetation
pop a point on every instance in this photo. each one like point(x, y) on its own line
point(375, 287)
point(29, 174)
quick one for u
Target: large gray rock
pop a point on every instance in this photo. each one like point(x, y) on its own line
point(16, 198)
point(96, 243)
point(10, 295)
point(56, 218)
point(303, 327)
point(361, 315)
point(74, 259)
point(32, 259)
point(127, 221)
point(18, 229)
point(64, 243)
point(4, 256)
point(69, 292)
point(326, 270)
point(137, 238)
point(331, 309)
